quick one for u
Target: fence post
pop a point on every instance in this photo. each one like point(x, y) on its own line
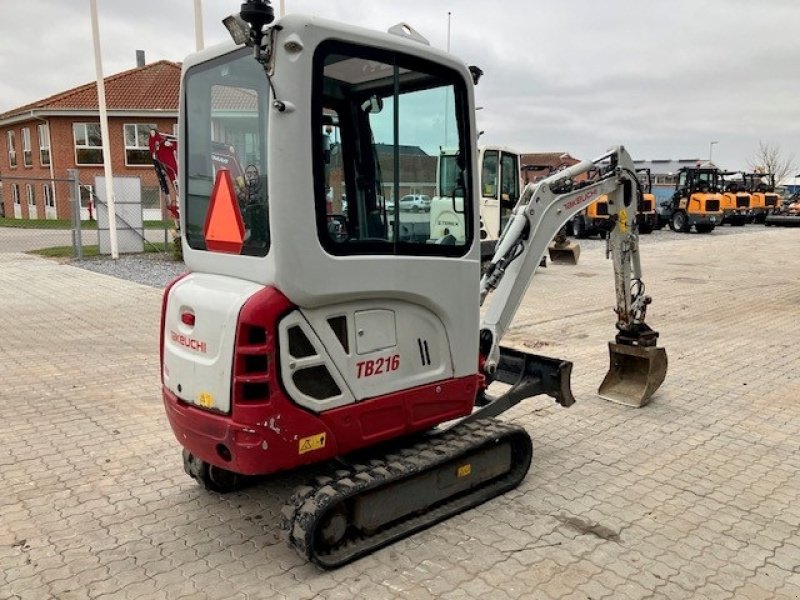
point(75, 203)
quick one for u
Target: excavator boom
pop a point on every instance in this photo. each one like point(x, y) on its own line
point(638, 367)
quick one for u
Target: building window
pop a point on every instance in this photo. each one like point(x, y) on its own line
point(31, 195)
point(12, 150)
point(88, 143)
point(47, 190)
point(137, 150)
point(15, 193)
point(27, 160)
point(44, 144)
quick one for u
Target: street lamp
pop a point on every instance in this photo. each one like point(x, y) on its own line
point(711, 149)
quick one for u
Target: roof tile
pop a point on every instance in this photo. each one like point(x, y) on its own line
point(151, 87)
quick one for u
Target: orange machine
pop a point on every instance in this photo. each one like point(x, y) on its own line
point(697, 200)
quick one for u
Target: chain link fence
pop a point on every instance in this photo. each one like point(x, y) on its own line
point(63, 217)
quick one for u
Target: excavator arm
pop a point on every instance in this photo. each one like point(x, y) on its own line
point(638, 367)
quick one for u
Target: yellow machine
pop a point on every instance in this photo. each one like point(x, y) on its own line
point(764, 200)
point(646, 217)
point(697, 200)
point(736, 200)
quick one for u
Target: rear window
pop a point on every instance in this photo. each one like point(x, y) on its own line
point(225, 128)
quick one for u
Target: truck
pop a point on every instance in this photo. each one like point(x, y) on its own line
point(289, 344)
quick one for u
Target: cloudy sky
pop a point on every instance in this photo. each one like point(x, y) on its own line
point(664, 78)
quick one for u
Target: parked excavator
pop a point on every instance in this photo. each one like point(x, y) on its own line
point(288, 344)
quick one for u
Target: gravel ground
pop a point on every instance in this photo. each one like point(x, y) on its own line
point(149, 269)
point(158, 269)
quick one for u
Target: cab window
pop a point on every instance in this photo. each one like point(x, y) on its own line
point(226, 108)
point(489, 174)
point(380, 122)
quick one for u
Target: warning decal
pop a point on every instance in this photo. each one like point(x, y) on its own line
point(623, 221)
point(224, 228)
point(310, 443)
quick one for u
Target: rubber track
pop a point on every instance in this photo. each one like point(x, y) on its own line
point(307, 506)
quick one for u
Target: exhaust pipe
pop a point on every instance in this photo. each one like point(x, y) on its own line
point(634, 374)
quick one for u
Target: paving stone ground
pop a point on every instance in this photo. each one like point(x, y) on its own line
point(695, 496)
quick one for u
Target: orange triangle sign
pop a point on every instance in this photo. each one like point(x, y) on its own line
point(224, 229)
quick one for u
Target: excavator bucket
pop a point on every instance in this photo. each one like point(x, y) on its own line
point(634, 375)
point(564, 253)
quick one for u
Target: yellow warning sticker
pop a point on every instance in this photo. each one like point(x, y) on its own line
point(312, 442)
point(464, 470)
point(623, 221)
point(206, 400)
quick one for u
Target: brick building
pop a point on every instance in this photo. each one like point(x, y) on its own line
point(537, 165)
point(43, 139)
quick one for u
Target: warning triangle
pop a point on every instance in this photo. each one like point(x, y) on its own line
point(224, 229)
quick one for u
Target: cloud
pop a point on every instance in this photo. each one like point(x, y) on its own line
point(664, 78)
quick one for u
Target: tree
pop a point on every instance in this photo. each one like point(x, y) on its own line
point(770, 159)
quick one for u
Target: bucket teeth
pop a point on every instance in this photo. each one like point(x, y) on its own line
point(634, 374)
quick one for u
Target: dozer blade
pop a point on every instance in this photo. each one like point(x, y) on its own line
point(634, 374)
point(565, 253)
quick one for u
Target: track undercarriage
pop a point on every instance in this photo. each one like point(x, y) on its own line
point(380, 499)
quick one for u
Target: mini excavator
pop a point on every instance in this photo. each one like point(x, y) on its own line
point(301, 335)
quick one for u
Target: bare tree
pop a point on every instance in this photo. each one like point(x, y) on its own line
point(770, 159)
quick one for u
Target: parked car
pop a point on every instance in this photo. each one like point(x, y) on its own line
point(415, 203)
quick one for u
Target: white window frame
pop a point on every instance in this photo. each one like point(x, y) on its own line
point(136, 147)
point(43, 131)
point(86, 146)
point(31, 194)
point(12, 149)
point(27, 157)
point(49, 198)
point(15, 194)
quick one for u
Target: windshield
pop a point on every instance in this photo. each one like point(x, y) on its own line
point(225, 140)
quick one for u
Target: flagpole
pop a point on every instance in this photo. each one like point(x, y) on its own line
point(101, 100)
point(198, 25)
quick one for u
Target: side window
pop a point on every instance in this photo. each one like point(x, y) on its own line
point(509, 189)
point(381, 122)
point(489, 174)
point(226, 130)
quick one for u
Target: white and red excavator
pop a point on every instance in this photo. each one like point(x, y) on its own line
point(291, 343)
